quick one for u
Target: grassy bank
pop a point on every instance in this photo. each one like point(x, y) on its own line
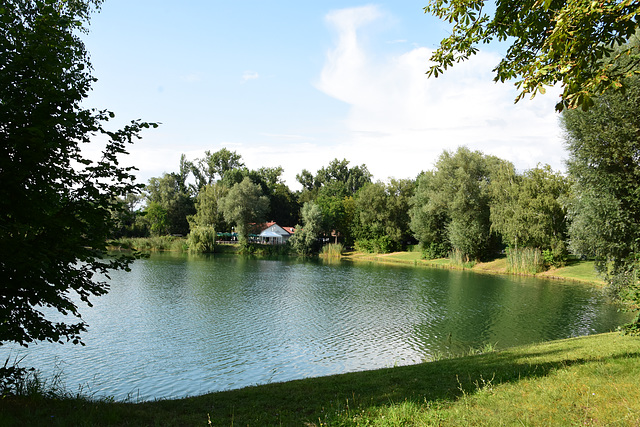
point(581, 381)
point(575, 270)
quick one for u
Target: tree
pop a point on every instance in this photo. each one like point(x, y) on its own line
point(429, 217)
point(456, 197)
point(574, 43)
point(208, 206)
point(170, 192)
point(527, 210)
point(381, 224)
point(214, 166)
point(57, 207)
point(243, 205)
point(305, 239)
point(604, 162)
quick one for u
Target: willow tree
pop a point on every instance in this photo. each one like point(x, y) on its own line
point(604, 162)
point(243, 205)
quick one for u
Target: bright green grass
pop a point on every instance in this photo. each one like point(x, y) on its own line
point(583, 271)
point(581, 381)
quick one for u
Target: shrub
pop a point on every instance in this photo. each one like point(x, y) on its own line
point(378, 245)
point(434, 250)
point(201, 239)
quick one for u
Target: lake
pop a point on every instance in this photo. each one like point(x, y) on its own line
point(181, 325)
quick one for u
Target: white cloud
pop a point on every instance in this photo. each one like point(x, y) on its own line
point(249, 75)
point(400, 120)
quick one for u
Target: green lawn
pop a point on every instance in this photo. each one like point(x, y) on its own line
point(581, 381)
point(577, 270)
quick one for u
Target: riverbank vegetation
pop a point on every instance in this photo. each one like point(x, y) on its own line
point(580, 381)
point(470, 207)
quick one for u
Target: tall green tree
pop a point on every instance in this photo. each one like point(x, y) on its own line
point(382, 221)
point(528, 210)
point(243, 205)
point(208, 207)
point(305, 239)
point(604, 162)
point(170, 192)
point(429, 217)
point(457, 194)
point(575, 43)
point(331, 188)
point(57, 206)
point(214, 166)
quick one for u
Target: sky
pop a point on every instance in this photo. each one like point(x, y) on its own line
point(298, 84)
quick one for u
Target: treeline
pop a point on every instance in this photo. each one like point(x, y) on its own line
point(470, 206)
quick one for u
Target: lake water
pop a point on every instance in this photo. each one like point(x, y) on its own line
point(180, 325)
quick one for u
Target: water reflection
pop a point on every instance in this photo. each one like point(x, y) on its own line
point(181, 325)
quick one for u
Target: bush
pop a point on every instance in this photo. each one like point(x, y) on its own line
point(434, 251)
point(378, 245)
point(202, 239)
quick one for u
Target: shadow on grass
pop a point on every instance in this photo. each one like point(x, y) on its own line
point(317, 400)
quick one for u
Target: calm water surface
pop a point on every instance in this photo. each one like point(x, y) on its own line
point(180, 325)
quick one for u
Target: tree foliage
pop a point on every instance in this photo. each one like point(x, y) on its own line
point(305, 239)
point(57, 205)
point(170, 192)
point(451, 204)
point(243, 205)
point(575, 43)
point(604, 162)
point(208, 206)
point(528, 210)
point(381, 223)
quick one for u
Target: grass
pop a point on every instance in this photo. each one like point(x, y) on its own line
point(580, 381)
point(575, 270)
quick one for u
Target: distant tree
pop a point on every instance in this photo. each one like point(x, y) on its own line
point(284, 206)
point(126, 220)
point(400, 192)
point(243, 205)
point(208, 207)
point(429, 217)
point(157, 219)
point(457, 194)
point(169, 192)
point(331, 186)
point(214, 166)
point(575, 43)
point(305, 239)
point(604, 163)
point(57, 206)
point(307, 180)
point(528, 210)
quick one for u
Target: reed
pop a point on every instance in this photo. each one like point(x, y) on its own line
point(457, 257)
point(525, 260)
point(151, 244)
point(332, 250)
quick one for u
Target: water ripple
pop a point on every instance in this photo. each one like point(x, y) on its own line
point(178, 326)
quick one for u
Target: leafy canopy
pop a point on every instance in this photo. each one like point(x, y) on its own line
point(604, 162)
point(574, 43)
point(57, 206)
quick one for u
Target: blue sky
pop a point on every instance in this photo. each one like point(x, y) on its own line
point(297, 84)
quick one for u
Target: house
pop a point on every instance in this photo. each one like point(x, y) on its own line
point(272, 234)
